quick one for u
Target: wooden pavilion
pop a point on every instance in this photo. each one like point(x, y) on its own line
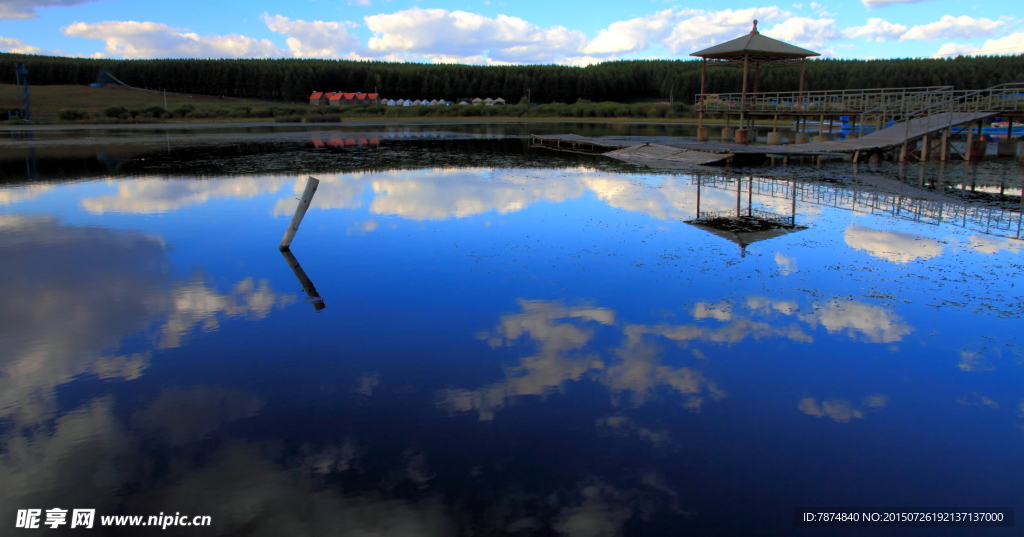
point(751, 49)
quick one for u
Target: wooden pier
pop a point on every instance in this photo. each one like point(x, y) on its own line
point(924, 134)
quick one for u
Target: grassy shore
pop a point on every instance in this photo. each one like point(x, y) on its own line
point(112, 105)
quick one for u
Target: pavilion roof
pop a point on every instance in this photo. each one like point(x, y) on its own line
point(745, 230)
point(760, 48)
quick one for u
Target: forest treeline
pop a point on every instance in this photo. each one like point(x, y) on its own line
point(292, 80)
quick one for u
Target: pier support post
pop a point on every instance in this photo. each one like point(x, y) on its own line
point(976, 151)
point(300, 212)
point(727, 134)
point(925, 148)
point(945, 145)
point(975, 146)
point(970, 142)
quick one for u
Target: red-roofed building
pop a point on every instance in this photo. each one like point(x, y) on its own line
point(318, 98)
point(340, 98)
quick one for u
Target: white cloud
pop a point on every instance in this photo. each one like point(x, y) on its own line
point(882, 3)
point(317, 39)
point(702, 29)
point(950, 27)
point(1010, 45)
point(857, 319)
point(992, 245)
point(439, 32)
point(787, 265)
point(631, 35)
point(26, 9)
point(16, 46)
point(806, 32)
point(955, 49)
point(838, 409)
point(877, 30)
point(133, 39)
point(894, 246)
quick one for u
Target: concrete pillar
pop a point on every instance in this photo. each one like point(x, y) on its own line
point(1006, 149)
point(800, 138)
point(727, 134)
point(702, 134)
point(976, 150)
point(875, 157)
point(774, 138)
point(741, 136)
point(1020, 160)
point(820, 138)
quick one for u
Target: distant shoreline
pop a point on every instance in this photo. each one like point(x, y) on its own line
point(356, 122)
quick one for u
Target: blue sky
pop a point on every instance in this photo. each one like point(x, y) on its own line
point(497, 32)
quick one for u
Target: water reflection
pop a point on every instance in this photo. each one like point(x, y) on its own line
point(72, 294)
point(895, 246)
point(307, 285)
point(515, 348)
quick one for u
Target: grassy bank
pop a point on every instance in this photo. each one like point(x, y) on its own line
point(84, 104)
point(77, 103)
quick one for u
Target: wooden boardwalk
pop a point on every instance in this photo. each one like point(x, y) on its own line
point(682, 157)
point(683, 153)
point(889, 138)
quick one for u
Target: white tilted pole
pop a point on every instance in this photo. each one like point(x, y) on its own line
point(300, 211)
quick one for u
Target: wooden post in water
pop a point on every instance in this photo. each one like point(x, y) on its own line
point(300, 211)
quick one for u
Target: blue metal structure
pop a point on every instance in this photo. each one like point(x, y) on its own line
point(21, 79)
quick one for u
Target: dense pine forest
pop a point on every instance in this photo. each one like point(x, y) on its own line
point(622, 81)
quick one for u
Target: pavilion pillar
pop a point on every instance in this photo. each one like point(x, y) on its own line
point(741, 133)
point(702, 131)
point(800, 91)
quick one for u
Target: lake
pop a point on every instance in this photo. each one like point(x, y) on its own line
point(471, 336)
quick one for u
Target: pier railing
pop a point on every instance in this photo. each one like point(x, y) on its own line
point(987, 220)
point(825, 102)
point(1001, 98)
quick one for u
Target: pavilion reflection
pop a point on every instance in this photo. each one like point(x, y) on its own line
point(745, 226)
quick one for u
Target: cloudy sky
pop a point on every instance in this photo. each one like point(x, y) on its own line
point(500, 31)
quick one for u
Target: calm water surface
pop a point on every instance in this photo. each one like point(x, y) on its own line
point(478, 338)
